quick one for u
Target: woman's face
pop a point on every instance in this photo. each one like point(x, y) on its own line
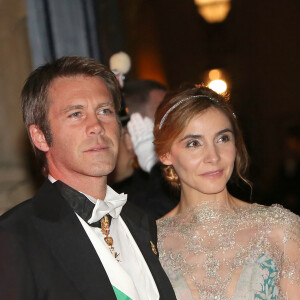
point(203, 154)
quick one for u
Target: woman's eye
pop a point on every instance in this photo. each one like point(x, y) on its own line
point(193, 143)
point(224, 138)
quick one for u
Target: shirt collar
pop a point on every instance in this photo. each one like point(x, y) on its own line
point(112, 203)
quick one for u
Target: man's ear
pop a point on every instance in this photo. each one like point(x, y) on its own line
point(166, 159)
point(38, 138)
point(127, 141)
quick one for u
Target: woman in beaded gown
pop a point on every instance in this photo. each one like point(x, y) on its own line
point(213, 245)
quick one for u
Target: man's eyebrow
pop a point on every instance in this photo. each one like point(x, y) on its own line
point(79, 106)
point(109, 103)
point(72, 107)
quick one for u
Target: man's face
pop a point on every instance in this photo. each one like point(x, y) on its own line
point(84, 128)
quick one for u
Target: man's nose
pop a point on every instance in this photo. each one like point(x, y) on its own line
point(94, 126)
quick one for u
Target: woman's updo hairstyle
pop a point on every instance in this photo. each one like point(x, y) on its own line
point(175, 112)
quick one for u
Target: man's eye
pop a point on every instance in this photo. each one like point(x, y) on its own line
point(106, 111)
point(193, 144)
point(76, 114)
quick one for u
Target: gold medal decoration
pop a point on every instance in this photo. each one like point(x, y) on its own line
point(105, 229)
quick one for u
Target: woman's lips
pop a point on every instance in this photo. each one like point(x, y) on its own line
point(213, 174)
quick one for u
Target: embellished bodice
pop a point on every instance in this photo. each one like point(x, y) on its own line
point(250, 252)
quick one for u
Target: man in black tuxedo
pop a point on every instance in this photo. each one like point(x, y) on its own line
point(52, 246)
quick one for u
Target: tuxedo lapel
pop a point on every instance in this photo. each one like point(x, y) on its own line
point(140, 229)
point(68, 242)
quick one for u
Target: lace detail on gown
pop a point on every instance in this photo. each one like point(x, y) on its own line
point(250, 252)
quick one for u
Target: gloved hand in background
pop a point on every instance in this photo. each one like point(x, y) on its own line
point(141, 132)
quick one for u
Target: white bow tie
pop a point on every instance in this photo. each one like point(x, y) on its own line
point(112, 204)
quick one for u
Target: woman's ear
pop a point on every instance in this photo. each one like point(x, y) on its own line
point(166, 159)
point(38, 138)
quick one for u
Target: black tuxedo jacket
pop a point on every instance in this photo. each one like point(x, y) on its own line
point(46, 254)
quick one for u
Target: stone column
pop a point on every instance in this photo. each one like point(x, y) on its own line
point(15, 182)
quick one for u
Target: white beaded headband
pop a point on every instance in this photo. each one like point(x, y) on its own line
point(179, 102)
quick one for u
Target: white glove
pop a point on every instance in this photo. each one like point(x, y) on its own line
point(141, 132)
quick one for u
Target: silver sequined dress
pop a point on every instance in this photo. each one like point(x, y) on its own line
point(251, 252)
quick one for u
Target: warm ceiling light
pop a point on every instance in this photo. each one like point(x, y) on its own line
point(213, 11)
point(214, 74)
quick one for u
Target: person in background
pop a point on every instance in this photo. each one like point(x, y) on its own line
point(143, 96)
point(213, 245)
point(138, 171)
point(75, 239)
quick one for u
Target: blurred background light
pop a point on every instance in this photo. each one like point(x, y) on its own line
point(213, 11)
point(218, 85)
point(216, 79)
point(214, 74)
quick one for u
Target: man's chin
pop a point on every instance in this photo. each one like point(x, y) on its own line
point(101, 171)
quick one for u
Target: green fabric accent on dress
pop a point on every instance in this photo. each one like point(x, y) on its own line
point(120, 295)
point(268, 277)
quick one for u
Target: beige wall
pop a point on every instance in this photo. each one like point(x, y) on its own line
point(15, 183)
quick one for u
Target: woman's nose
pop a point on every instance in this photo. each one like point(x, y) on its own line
point(211, 154)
